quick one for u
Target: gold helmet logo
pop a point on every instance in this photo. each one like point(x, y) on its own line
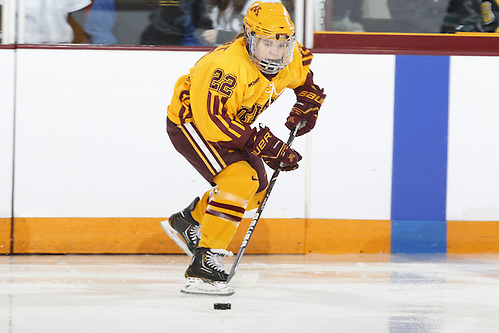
point(256, 9)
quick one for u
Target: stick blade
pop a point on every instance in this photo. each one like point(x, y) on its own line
point(247, 280)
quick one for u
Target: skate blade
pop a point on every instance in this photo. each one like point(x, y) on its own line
point(196, 286)
point(173, 234)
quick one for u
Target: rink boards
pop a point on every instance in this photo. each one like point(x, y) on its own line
point(403, 158)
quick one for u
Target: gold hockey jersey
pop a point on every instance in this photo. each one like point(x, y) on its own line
point(225, 92)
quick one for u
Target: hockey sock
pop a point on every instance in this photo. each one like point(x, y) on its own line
point(236, 185)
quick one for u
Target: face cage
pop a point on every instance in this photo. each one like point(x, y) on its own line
point(266, 65)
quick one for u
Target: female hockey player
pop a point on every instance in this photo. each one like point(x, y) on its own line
point(209, 122)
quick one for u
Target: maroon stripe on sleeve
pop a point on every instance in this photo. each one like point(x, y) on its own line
point(306, 62)
point(213, 116)
point(181, 114)
point(237, 136)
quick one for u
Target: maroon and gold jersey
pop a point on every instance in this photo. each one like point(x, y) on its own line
point(225, 92)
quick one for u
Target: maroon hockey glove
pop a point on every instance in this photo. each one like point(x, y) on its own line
point(272, 150)
point(309, 101)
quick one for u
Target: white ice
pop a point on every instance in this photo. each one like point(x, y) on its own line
point(295, 293)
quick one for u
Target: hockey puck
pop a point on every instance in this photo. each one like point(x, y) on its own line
point(222, 306)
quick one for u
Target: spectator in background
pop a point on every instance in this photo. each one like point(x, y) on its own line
point(418, 15)
point(100, 22)
point(471, 16)
point(347, 14)
point(463, 16)
point(227, 17)
point(47, 20)
point(180, 22)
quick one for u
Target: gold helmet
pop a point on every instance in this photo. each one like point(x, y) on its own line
point(270, 35)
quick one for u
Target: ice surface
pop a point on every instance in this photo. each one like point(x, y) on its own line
point(295, 293)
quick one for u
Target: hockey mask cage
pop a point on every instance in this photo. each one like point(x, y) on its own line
point(270, 53)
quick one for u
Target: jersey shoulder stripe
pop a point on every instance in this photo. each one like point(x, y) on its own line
point(306, 55)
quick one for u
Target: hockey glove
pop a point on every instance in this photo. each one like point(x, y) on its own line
point(309, 101)
point(272, 150)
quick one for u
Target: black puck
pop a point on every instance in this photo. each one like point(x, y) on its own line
point(222, 306)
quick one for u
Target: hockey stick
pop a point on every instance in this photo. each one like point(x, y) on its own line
point(259, 211)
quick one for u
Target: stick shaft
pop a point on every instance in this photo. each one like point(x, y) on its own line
point(258, 213)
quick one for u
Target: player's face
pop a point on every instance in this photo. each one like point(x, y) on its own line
point(271, 48)
point(270, 54)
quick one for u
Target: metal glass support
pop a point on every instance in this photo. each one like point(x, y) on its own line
point(21, 21)
point(310, 8)
point(9, 21)
point(299, 20)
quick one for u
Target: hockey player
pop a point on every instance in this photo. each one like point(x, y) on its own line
point(209, 123)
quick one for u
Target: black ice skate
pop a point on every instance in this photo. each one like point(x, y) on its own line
point(183, 229)
point(206, 274)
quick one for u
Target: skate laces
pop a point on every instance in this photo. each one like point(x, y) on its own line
point(214, 259)
point(195, 233)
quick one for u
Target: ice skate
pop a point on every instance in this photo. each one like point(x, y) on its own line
point(183, 229)
point(206, 274)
